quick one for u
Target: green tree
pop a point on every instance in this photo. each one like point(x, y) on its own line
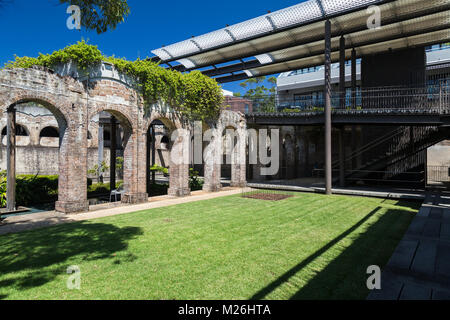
point(98, 15)
point(101, 15)
point(263, 96)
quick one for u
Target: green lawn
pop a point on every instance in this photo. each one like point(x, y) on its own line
point(305, 247)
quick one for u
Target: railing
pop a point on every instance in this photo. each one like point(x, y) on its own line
point(438, 174)
point(375, 176)
point(430, 99)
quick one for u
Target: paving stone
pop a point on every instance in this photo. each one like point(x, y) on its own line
point(390, 288)
point(403, 254)
point(436, 213)
point(443, 261)
point(441, 295)
point(424, 212)
point(412, 291)
point(432, 229)
point(425, 258)
point(445, 231)
point(417, 226)
point(446, 215)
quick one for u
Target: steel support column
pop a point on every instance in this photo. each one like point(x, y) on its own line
point(353, 78)
point(328, 164)
point(148, 158)
point(153, 153)
point(113, 149)
point(101, 147)
point(11, 160)
point(341, 157)
point(342, 72)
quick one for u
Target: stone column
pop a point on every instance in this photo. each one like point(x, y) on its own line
point(179, 165)
point(135, 174)
point(11, 160)
point(238, 160)
point(72, 182)
point(290, 158)
point(212, 161)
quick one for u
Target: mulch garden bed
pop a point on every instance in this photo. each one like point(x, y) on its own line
point(268, 196)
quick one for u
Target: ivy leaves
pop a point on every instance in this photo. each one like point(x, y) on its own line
point(194, 95)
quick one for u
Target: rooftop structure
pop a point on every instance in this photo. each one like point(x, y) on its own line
point(294, 38)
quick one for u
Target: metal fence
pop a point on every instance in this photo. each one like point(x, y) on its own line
point(429, 99)
point(438, 175)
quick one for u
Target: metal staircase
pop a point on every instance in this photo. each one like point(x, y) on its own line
point(397, 157)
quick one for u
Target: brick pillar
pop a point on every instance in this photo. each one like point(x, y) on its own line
point(290, 158)
point(212, 162)
point(72, 182)
point(135, 173)
point(238, 161)
point(179, 165)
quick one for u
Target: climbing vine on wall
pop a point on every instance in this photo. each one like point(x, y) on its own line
point(194, 95)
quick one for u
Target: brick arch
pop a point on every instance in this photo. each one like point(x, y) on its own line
point(171, 120)
point(117, 98)
point(178, 171)
point(63, 96)
point(121, 113)
point(45, 100)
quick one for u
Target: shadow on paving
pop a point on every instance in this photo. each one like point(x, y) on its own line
point(345, 276)
point(34, 253)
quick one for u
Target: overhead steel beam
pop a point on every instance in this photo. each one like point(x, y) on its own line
point(240, 66)
point(335, 33)
point(347, 46)
point(336, 60)
point(331, 16)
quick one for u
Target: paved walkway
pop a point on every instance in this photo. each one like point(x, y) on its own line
point(50, 218)
point(419, 269)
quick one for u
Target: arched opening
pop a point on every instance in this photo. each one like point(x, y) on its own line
point(106, 154)
point(22, 135)
point(158, 153)
point(168, 164)
point(37, 163)
point(230, 140)
point(49, 132)
point(49, 137)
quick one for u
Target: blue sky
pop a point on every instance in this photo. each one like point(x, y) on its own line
point(32, 26)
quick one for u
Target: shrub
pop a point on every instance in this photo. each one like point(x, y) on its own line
point(156, 168)
point(195, 183)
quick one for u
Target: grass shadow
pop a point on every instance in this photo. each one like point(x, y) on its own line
point(37, 256)
point(345, 276)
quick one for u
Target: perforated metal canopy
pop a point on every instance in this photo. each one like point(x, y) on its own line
point(294, 37)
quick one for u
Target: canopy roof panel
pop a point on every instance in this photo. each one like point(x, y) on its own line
point(293, 37)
